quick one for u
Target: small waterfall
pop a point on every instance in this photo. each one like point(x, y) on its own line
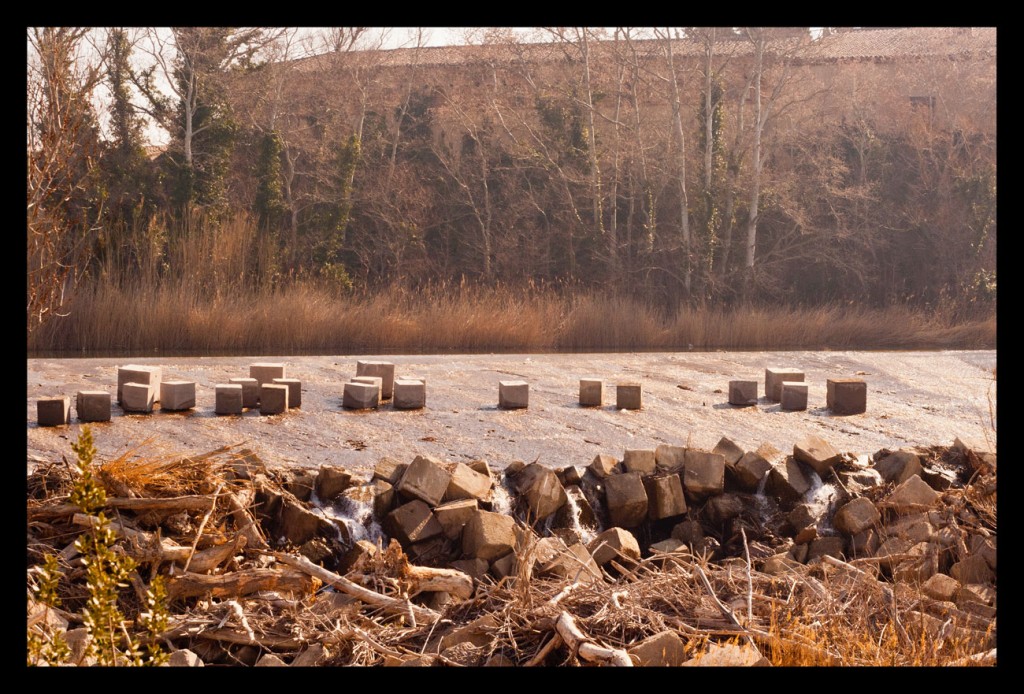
point(821, 498)
point(355, 512)
point(501, 500)
point(585, 534)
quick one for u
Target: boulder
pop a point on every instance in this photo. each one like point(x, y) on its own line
point(724, 507)
point(665, 497)
point(331, 481)
point(473, 567)
point(615, 543)
point(425, 479)
point(787, 482)
point(749, 470)
point(626, 499)
point(855, 516)
point(573, 563)
point(454, 515)
point(664, 649)
point(604, 465)
point(467, 483)
point(389, 470)
point(973, 569)
point(728, 655)
point(817, 453)
point(691, 533)
point(669, 458)
point(703, 473)
point(912, 495)
point(541, 490)
point(669, 545)
point(641, 461)
point(898, 467)
point(489, 536)
point(729, 451)
point(831, 546)
point(506, 566)
point(411, 523)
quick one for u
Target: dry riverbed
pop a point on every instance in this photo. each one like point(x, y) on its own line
point(914, 399)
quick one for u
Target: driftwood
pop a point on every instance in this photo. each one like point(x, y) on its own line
point(170, 503)
point(207, 560)
point(239, 503)
point(143, 546)
point(368, 596)
point(238, 583)
point(229, 635)
point(424, 578)
point(578, 642)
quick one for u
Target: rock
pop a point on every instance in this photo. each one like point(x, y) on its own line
point(798, 553)
point(728, 655)
point(729, 451)
point(571, 474)
point(358, 558)
point(270, 660)
point(626, 499)
point(724, 507)
point(939, 479)
point(978, 593)
point(691, 533)
point(574, 563)
point(664, 649)
point(474, 567)
point(412, 522)
point(582, 517)
point(300, 525)
point(749, 470)
point(984, 547)
point(435, 551)
point(505, 567)
point(467, 483)
point(301, 485)
point(921, 625)
point(779, 564)
point(78, 641)
point(912, 495)
point(831, 546)
point(489, 536)
point(787, 482)
point(499, 660)
point(898, 467)
point(454, 515)
point(922, 564)
point(541, 491)
point(331, 481)
point(615, 543)
point(389, 470)
point(482, 467)
point(665, 497)
point(309, 657)
point(604, 465)
point(855, 516)
point(476, 633)
point(892, 551)
point(669, 545)
point(817, 453)
point(514, 468)
point(973, 569)
point(703, 473)
point(316, 550)
point(802, 516)
point(916, 528)
point(426, 480)
point(860, 480)
point(864, 544)
point(641, 461)
point(669, 458)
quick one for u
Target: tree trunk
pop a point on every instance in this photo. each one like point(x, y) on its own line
point(684, 212)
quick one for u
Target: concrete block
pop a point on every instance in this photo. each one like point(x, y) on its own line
point(513, 394)
point(177, 395)
point(573, 563)
point(615, 543)
point(385, 370)
point(467, 483)
point(137, 397)
point(273, 398)
point(743, 393)
point(604, 465)
point(93, 405)
point(541, 490)
point(728, 450)
point(913, 495)
point(724, 507)
point(266, 372)
point(185, 658)
point(642, 461)
point(476, 568)
point(505, 567)
point(133, 373)
point(454, 515)
point(425, 479)
point(816, 453)
point(52, 412)
point(898, 467)
point(250, 391)
point(482, 467)
point(668, 545)
point(299, 525)
point(846, 395)
point(591, 392)
point(294, 390)
point(664, 649)
point(626, 499)
point(665, 497)
point(794, 396)
point(690, 533)
point(436, 551)
point(750, 470)
point(787, 482)
point(389, 470)
point(855, 516)
point(774, 378)
point(941, 587)
point(628, 396)
point(728, 655)
point(669, 458)
point(379, 493)
point(360, 396)
point(831, 546)
point(331, 480)
point(227, 398)
point(409, 394)
point(489, 536)
point(972, 569)
point(412, 522)
point(375, 381)
point(571, 474)
point(916, 528)
point(703, 473)
point(577, 513)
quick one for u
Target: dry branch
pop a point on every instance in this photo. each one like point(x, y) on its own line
point(423, 579)
point(239, 503)
point(587, 649)
point(238, 583)
point(169, 503)
point(146, 547)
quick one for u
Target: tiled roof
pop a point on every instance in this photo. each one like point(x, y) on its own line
point(894, 43)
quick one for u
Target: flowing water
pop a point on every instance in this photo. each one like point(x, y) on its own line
point(355, 513)
point(585, 534)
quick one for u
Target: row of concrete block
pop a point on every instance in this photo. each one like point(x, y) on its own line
point(787, 387)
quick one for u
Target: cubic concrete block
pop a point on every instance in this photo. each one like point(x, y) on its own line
point(664, 649)
point(899, 467)
point(743, 393)
point(513, 395)
point(665, 497)
point(227, 398)
point(250, 391)
point(787, 482)
point(412, 522)
point(52, 412)
point(728, 450)
point(505, 567)
point(912, 495)
point(628, 396)
point(266, 372)
point(750, 470)
point(617, 544)
point(775, 377)
point(540, 488)
point(425, 479)
point(642, 461)
point(93, 406)
point(626, 499)
point(177, 395)
point(573, 563)
point(846, 395)
point(294, 390)
point(389, 470)
point(703, 473)
point(137, 397)
point(669, 458)
point(816, 453)
point(467, 483)
point(489, 536)
point(385, 370)
point(794, 396)
point(724, 507)
point(133, 373)
point(830, 546)
point(331, 480)
point(603, 465)
point(273, 398)
point(375, 381)
point(941, 587)
point(410, 394)
point(360, 396)
point(591, 392)
point(454, 515)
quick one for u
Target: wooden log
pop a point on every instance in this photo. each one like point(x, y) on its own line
point(368, 596)
point(587, 649)
point(239, 503)
point(205, 561)
point(143, 546)
point(229, 635)
point(238, 583)
point(170, 503)
point(424, 578)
